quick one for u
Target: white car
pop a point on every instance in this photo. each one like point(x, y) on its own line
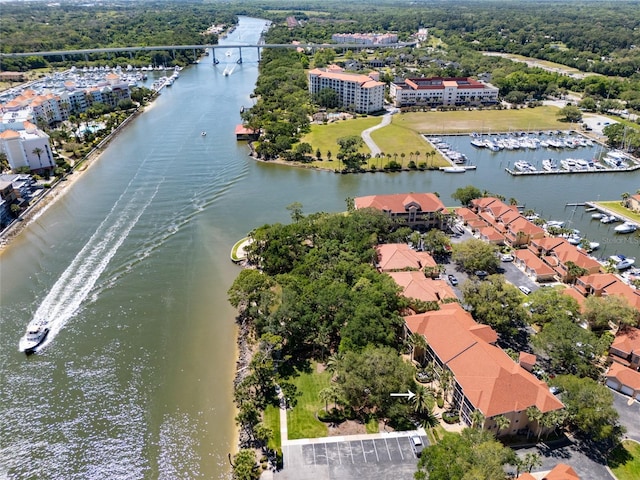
point(525, 290)
point(506, 258)
point(416, 443)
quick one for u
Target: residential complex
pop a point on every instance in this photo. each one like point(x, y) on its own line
point(359, 93)
point(485, 378)
point(365, 38)
point(439, 91)
point(422, 210)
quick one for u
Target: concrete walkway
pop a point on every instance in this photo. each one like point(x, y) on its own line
point(366, 134)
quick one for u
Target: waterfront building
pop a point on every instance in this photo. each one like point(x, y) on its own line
point(356, 92)
point(415, 209)
point(440, 91)
point(485, 378)
point(28, 147)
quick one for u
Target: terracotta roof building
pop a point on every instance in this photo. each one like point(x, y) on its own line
point(485, 377)
point(415, 209)
point(624, 379)
point(359, 93)
point(625, 348)
point(437, 91)
point(393, 257)
point(559, 472)
point(415, 285)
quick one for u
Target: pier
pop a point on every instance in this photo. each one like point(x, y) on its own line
point(517, 173)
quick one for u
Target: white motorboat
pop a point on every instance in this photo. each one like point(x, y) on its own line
point(593, 246)
point(624, 264)
point(35, 335)
point(204, 134)
point(608, 219)
point(596, 216)
point(454, 170)
point(626, 227)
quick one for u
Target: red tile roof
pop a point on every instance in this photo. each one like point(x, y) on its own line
point(400, 202)
point(534, 263)
point(489, 378)
point(626, 376)
point(398, 256)
point(416, 285)
point(627, 341)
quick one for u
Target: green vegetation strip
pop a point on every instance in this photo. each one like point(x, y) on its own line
point(272, 422)
point(619, 209)
point(301, 420)
point(625, 461)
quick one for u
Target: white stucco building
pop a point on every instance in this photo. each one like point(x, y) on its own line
point(438, 91)
point(27, 148)
point(360, 93)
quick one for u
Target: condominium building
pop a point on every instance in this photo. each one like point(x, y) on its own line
point(438, 91)
point(359, 93)
point(28, 147)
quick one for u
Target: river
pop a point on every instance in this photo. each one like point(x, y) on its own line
point(132, 263)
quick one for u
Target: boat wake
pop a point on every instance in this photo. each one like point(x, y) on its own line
point(76, 282)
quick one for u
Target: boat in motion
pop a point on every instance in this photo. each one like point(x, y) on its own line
point(36, 334)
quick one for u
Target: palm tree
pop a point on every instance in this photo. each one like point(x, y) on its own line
point(326, 395)
point(423, 400)
point(531, 460)
point(334, 361)
point(329, 155)
point(446, 379)
point(502, 422)
point(535, 415)
point(477, 419)
point(418, 344)
point(38, 151)
point(402, 155)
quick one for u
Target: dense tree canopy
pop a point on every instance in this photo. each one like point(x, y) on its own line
point(474, 254)
point(473, 454)
point(589, 407)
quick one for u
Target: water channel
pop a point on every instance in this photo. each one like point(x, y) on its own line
point(133, 265)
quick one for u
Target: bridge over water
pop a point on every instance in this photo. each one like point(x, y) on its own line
point(199, 48)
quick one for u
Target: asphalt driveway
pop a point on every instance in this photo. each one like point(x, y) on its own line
point(629, 414)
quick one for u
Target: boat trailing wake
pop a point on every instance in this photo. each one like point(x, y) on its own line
point(75, 284)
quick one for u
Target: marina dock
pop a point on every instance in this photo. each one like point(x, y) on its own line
point(517, 173)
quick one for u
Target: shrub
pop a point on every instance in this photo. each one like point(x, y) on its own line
point(439, 401)
point(450, 417)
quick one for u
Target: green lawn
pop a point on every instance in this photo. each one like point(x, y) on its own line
point(625, 461)
point(271, 419)
point(397, 138)
point(482, 121)
point(403, 135)
point(619, 209)
point(325, 137)
point(301, 420)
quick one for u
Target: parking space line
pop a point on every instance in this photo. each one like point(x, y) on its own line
point(326, 452)
point(413, 451)
point(375, 450)
point(363, 452)
point(351, 451)
point(387, 445)
point(314, 453)
point(399, 447)
point(339, 456)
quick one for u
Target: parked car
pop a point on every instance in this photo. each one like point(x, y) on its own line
point(525, 290)
point(507, 257)
point(417, 445)
point(481, 274)
point(452, 280)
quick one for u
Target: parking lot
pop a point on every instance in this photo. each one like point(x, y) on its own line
point(357, 457)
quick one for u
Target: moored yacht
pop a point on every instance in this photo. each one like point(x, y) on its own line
point(626, 227)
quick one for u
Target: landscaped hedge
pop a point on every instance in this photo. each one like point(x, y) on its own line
point(450, 417)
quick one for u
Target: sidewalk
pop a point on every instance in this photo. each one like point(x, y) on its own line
point(366, 134)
